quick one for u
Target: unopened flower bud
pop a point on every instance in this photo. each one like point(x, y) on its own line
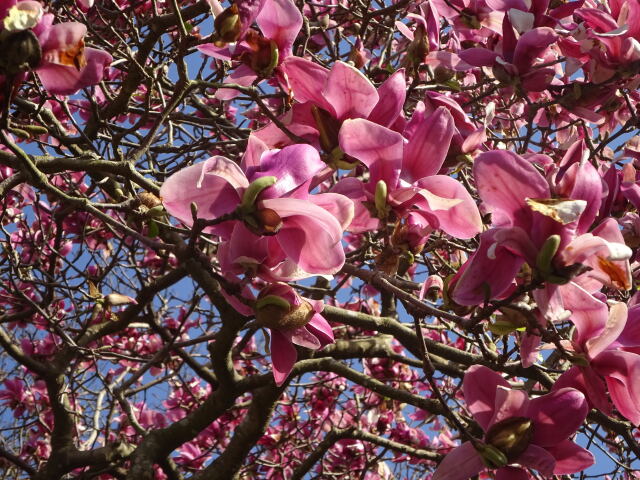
point(381, 199)
point(491, 456)
point(546, 254)
point(227, 26)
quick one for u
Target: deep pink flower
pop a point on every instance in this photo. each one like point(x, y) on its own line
point(409, 170)
point(604, 343)
point(531, 433)
point(286, 233)
point(64, 64)
point(531, 214)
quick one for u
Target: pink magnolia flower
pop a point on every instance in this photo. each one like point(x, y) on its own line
point(328, 97)
point(278, 229)
point(291, 320)
point(604, 343)
point(517, 61)
point(530, 433)
point(279, 21)
point(545, 224)
point(408, 169)
point(60, 58)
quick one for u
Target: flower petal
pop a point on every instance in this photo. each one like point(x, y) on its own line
point(570, 458)
point(350, 93)
point(283, 356)
point(479, 387)
point(557, 415)
point(461, 463)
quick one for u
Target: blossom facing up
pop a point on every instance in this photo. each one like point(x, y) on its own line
point(533, 433)
point(291, 320)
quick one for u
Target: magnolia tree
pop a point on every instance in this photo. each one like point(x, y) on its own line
point(276, 239)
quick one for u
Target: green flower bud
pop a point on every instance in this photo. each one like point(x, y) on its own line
point(381, 199)
point(546, 254)
point(253, 190)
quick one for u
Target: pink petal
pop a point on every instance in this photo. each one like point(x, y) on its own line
point(350, 93)
point(310, 236)
point(583, 182)
point(212, 185)
point(283, 356)
point(428, 146)
point(293, 166)
point(538, 458)
point(621, 371)
point(303, 337)
point(480, 386)
point(280, 21)
point(379, 148)
point(511, 473)
point(532, 45)
point(463, 219)
point(243, 75)
point(504, 180)
point(461, 463)
point(616, 322)
point(341, 207)
point(509, 403)
point(307, 80)
point(321, 329)
point(589, 383)
point(588, 314)
point(557, 415)
point(354, 189)
point(570, 458)
point(392, 94)
point(472, 284)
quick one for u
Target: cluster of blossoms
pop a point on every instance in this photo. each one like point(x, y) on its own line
point(469, 159)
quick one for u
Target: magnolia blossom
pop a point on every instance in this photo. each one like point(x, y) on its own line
point(403, 175)
point(546, 226)
point(292, 320)
point(605, 345)
point(276, 229)
point(518, 431)
point(56, 52)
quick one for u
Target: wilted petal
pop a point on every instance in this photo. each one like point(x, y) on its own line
point(350, 93)
point(283, 356)
point(66, 80)
point(557, 416)
point(479, 387)
point(461, 463)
